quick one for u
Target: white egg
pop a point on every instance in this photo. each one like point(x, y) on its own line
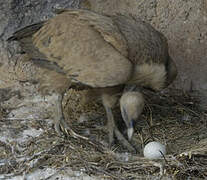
point(154, 150)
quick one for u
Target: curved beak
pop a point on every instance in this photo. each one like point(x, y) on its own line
point(130, 129)
point(129, 123)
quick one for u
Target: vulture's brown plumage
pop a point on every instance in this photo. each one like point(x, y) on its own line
point(82, 49)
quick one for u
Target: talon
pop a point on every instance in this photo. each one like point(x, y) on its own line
point(66, 131)
point(62, 127)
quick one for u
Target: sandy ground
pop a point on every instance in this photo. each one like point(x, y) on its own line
point(24, 125)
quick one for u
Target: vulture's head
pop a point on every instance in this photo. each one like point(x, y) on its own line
point(131, 105)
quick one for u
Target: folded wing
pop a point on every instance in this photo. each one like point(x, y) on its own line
point(86, 46)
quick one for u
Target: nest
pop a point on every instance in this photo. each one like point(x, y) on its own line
point(173, 118)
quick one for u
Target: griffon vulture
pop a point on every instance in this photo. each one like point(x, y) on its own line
point(85, 50)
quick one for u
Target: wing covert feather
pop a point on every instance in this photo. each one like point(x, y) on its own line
point(88, 50)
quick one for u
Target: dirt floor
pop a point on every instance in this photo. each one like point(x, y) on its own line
point(30, 148)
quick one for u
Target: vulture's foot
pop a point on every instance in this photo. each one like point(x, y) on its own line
point(123, 140)
point(114, 132)
point(60, 124)
point(62, 127)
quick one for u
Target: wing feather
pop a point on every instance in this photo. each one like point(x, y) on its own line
point(87, 46)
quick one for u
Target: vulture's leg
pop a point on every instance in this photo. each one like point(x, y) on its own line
point(110, 124)
point(109, 102)
point(123, 140)
point(59, 120)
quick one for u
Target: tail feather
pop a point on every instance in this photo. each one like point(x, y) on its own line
point(26, 31)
